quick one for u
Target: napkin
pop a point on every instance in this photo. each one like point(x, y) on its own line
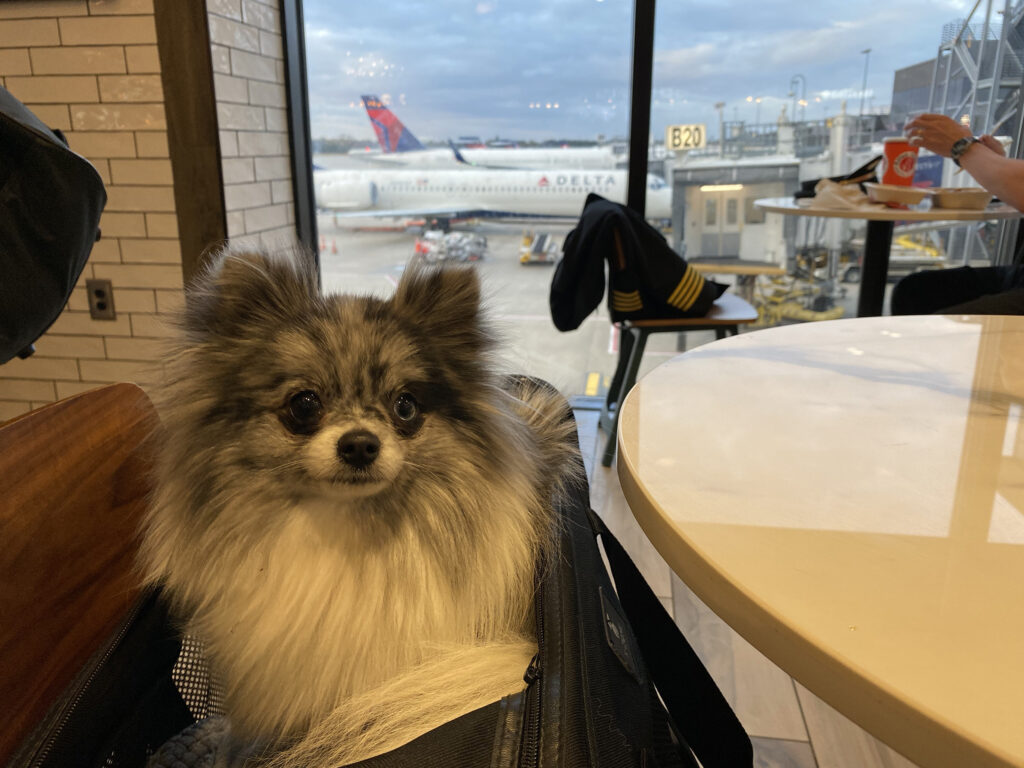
point(829, 194)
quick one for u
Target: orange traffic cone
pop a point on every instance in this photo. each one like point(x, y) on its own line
point(334, 247)
point(323, 243)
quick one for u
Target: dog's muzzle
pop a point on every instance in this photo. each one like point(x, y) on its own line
point(359, 448)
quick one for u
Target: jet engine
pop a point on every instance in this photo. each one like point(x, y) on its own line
point(346, 194)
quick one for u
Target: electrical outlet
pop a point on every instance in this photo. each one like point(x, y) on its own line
point(101, 299)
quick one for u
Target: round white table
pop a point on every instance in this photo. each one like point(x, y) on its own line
point(878, 238)
point(849, 496)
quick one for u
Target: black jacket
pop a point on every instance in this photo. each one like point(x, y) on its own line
point(647, 279)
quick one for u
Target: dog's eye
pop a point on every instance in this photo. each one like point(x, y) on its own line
point(406, 407)
point(304, 409)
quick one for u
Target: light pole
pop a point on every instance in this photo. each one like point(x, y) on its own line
point(720, 105)
point(802, 82)
point(863, 90)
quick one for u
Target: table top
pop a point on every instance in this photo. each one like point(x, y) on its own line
point(849, 496)
point(730, 266)
point(880, 212)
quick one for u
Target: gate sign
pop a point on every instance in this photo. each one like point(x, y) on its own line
point(683, 137)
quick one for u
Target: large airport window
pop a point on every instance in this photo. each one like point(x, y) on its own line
point(457, 141)
point(460, 124)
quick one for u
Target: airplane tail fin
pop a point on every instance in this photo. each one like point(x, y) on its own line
point(392, 135)
point(458, 155)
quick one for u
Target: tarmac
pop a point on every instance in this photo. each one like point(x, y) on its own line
point(368, 256)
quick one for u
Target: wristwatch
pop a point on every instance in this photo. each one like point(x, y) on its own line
point(960, 146)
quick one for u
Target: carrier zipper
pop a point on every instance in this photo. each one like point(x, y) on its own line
point(529, 752)
point(80, 687)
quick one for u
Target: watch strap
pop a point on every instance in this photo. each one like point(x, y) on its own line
point(960, 146)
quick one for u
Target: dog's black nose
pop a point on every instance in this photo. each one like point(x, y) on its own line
point(359, 448)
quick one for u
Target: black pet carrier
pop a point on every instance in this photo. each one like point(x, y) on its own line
point(614, 684)
point(50, 205)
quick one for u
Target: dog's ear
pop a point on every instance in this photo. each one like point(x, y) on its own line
point(243, 289)
point(445, 303)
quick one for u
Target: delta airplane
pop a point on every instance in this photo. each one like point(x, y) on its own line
point(400, 147)
point(474, 193)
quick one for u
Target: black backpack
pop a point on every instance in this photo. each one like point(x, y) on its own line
point(50, 205)
point(605, 655)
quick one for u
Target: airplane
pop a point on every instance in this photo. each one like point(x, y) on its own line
point(400, 147)
point(472, 193)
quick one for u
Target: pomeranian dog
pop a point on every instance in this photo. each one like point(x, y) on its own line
point(350, 505)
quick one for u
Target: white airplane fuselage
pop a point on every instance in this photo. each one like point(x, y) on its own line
point(604, 157)
point(542, 192)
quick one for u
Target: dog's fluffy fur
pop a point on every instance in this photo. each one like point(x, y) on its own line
point(347, 606)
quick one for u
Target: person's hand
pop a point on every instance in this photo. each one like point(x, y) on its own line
point(936, 133)
point(993, 143)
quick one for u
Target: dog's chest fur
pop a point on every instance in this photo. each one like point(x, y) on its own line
point(326, 604)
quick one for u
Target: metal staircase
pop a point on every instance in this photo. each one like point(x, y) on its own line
point(978, 80)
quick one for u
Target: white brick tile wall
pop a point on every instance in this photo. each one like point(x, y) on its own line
point(231, 89)
point(54, 115)
point(64, 61)
point(17, 34)
point(92, 69)
point(97, 30)
point(161, 225)
point(253, 65)
point(72, 388)
point(101, 143)
point(27, 9)
point(100, 7)
point(118, 117)
point(151, 326)
point(123, 224)
point(131, 88)
point(11, 409)
point(142, 58)
point(152, 144)
point(239, 196)
point(106, 250)
point(233, 34)
point(27, 389)
point(47, 89)
point(140, 198)
point(151, 251)
point(15, 61)
point(141, 172)
point(37, 367)
point(238, 170)
point(221, 58)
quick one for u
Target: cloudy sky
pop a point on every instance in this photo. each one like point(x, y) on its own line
point(539, 69)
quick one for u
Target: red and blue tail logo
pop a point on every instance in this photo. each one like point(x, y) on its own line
point(392, 135)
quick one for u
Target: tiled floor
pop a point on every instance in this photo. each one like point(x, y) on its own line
point(790, 727)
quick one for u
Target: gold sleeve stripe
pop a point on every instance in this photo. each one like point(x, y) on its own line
point(684, 286)
point(688, 290)
point(626, 302)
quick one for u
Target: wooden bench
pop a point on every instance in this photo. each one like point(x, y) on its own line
point(724, 318)
point(746, 272)
point(75, 482)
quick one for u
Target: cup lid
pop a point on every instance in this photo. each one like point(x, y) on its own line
point(889, 139)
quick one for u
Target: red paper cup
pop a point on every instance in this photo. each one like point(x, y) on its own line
point(899, 161)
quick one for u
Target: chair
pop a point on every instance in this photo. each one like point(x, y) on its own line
point(726, 315)
point(76, 479)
